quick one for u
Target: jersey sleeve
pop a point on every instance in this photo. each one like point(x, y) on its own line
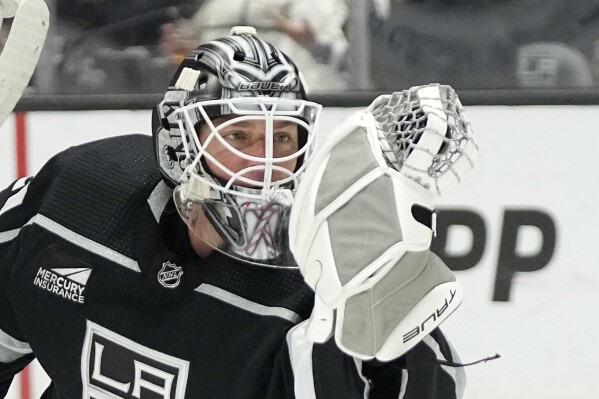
point(19, 203)
point(15, 353)
point(430, 370)
point(323, 371)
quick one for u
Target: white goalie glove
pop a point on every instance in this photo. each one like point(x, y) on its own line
point(363, 219)
point(22, 49)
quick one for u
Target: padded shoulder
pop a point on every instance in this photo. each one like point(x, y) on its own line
point(98, 189)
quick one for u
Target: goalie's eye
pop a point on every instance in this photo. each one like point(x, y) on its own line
point(234, 136)
point(282, 137)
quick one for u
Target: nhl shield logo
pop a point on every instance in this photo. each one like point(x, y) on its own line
point(170, 275)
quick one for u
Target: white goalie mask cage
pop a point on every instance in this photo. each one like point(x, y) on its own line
point(236, 198)
point(243, 213)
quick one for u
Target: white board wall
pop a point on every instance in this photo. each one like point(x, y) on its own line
point(536, 169)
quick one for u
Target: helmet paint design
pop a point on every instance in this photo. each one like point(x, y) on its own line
point(233, 80)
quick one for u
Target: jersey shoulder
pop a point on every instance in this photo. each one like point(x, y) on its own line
point(98, 189)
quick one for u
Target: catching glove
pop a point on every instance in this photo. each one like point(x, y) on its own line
point(362, 222)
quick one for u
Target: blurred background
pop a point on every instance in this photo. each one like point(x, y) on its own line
point(133, 46)
point(520, 229)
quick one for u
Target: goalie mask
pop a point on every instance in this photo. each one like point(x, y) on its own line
point(233, 135)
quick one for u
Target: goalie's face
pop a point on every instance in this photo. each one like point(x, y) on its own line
point(240, 149)
point(249, 156)
point(242, 172)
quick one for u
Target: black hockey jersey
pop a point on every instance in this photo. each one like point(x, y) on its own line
point(99, 282)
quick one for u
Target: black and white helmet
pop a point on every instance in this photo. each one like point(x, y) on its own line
point(231, 80)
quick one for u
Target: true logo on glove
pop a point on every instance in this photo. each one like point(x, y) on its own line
point(414, 332)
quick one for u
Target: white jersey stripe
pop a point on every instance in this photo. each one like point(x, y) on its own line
point(11, 349)
point(84, 242)
point(15, 200)
point(6, 236)
point(248, 305)
point(20, 183)
point(358, 363)
point(300, 356)
point(456, 373)
point(159, 198)
point(404, 383)
point(460, 373)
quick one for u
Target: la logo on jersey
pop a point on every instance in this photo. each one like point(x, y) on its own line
point(113, 366)
point(68, 283)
